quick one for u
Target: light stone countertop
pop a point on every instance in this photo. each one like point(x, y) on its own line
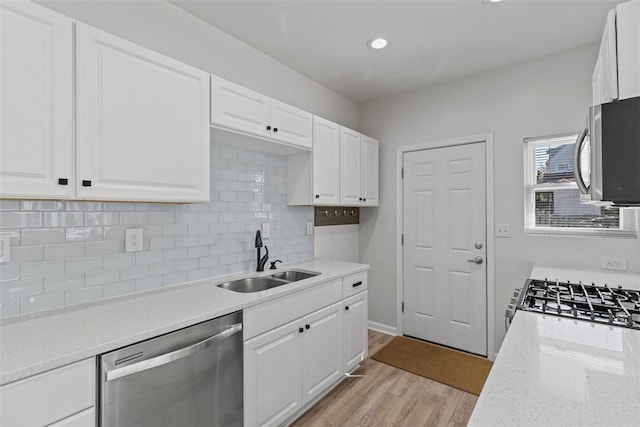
point(33, 344)
point(553, 371)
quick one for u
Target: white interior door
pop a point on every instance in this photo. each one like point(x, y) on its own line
point(444, 226)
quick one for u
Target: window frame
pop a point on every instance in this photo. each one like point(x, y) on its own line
point(628, 218)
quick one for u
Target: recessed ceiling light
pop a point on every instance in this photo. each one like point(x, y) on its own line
point(377, 43)
point(495, 1)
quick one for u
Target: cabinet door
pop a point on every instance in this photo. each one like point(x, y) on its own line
point(326, 162)
point(605, 74)
point(86, 418)
point(322, 363)
point(369, 171)
point(628, 44)
point(237, 107)
point(142, 123)
point(355, 330)
point(350, 167)
point(273, 376)
point(36, 102)
point(290, 124)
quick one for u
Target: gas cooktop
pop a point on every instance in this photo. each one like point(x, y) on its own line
point(602, 304)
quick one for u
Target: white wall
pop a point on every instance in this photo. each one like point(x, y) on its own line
point(543, 97)
point(170, 30)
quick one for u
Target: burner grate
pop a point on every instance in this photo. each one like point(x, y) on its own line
point(602, 304)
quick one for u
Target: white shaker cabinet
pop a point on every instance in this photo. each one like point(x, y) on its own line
point(326, 167)
point(322, 363)
point(355, 330)
point(61, 397)
point(246, 111)
point(370, 171)
point(142, 123)
point(605, 73)
point(358, 169)
point(628, 44)
point(273, 375)
point(36, 102)
point(350, 167)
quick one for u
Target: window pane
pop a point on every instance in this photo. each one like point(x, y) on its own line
point(554, 162)
point(562, 208)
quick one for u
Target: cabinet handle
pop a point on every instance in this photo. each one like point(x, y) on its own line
point(360, 198)
point(275, 129)
point(355, 285)
point(268, 127)
point(346, 307)
point(300, 329)
point(317, 196)
point(364, 199)
point(307, 326)
point(86, 183)
point(63, 181)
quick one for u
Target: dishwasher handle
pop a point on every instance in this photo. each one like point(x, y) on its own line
point(172, 356)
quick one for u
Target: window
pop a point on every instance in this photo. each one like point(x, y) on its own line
point(553, 203)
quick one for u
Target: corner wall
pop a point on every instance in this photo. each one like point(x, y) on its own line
point(542, 97)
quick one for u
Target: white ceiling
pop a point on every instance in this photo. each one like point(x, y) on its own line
point(429, 41)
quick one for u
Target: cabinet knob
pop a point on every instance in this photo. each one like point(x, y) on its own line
point(300, 329)
point(275, 129)
point(346, 307)
point(317, 196)
point(86, 183)
point(307, 326)
point(360, 198)
point(364, 199)
point(63, 181)
point(268, 127)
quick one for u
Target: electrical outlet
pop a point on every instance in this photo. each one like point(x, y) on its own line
point(5, 247)
point(503, 230)
point(611, 263)
point(309, 228)
point(266, 230)
point(133, 240)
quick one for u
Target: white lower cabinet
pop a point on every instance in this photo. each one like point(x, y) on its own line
point(60, 397)
point(287, 367)
point(355, 330)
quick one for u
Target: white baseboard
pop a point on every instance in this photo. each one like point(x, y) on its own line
point(381, 327)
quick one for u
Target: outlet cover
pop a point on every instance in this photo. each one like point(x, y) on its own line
point(611, 263)
point(5, 247)
point(266, 230)
point(133, 240)
point(503, 230)
point(309, 228)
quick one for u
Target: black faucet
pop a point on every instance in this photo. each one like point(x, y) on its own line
point(260, 261)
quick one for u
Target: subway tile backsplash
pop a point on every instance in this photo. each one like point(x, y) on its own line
point(66, 253)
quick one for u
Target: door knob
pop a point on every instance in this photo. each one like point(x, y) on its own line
point(477, 260)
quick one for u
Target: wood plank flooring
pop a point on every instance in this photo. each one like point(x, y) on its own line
point(388, 396)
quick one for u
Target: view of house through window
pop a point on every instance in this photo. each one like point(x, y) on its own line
point(553, 200)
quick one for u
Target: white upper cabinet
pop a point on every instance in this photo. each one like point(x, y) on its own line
point(605, 74)
point(248, 112)
point(36, 102)
point(370, 171)
point(628, 38)
point(350, 167)
point(326, 167)
point(617, 71)
point(142, 123)
point(237, 107)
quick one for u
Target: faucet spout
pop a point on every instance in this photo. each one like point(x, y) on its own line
point(262, 261)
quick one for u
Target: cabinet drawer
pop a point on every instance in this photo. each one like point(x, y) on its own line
point(86, 418)
point(270, 315)
point(48, 397)
point(354, 283)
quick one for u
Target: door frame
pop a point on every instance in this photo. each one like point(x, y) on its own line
point(487, 139)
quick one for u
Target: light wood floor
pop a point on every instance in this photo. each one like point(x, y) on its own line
point(388, 396)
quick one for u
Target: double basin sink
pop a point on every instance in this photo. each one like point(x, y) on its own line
point(262, 283)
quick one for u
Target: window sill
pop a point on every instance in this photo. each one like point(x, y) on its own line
point(580, 232)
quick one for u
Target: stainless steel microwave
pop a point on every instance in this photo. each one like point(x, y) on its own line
point(612, 136)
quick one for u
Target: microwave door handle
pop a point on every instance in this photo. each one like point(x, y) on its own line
point(577, 161)
point(172, 356)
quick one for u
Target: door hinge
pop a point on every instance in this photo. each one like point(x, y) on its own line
point(402, 239)
point(403, 306)
point(402, 172)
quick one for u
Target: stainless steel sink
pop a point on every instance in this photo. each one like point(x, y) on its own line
point(293, 275)
point(253, 284)
point(257, 284)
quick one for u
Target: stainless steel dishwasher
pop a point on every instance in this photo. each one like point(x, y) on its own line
point(190, 377)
